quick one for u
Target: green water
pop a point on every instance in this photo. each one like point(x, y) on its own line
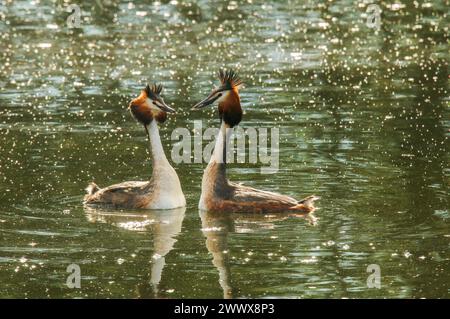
point(364, 123)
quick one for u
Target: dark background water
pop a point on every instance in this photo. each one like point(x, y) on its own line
point(363, 118)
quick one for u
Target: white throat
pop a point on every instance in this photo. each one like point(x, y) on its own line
point(215, 174)
point(167, 193)
point(222, 143)
point(156, 148)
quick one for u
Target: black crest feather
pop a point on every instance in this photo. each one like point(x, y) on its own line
point(229, 78)
point(153, 90)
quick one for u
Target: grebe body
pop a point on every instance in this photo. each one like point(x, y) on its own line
point(163, 190)
point(218, 193)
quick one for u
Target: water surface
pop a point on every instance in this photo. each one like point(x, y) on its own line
point(364, 123)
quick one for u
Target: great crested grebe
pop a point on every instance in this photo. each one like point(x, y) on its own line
point(163, 191)
point(218, 193)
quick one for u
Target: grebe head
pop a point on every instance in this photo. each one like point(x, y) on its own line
point(150, 105)
point(227, 96)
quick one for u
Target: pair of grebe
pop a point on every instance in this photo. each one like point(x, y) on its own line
point(163, 191)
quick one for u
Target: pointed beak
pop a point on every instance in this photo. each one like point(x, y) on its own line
point(208, 101)
point(163, 106)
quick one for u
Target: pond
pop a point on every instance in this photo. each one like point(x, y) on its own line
point(363, 118)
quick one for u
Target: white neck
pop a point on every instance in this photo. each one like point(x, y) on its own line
point(167, 193)
point(222, 143)
point(156, 148)
point(215, 173)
